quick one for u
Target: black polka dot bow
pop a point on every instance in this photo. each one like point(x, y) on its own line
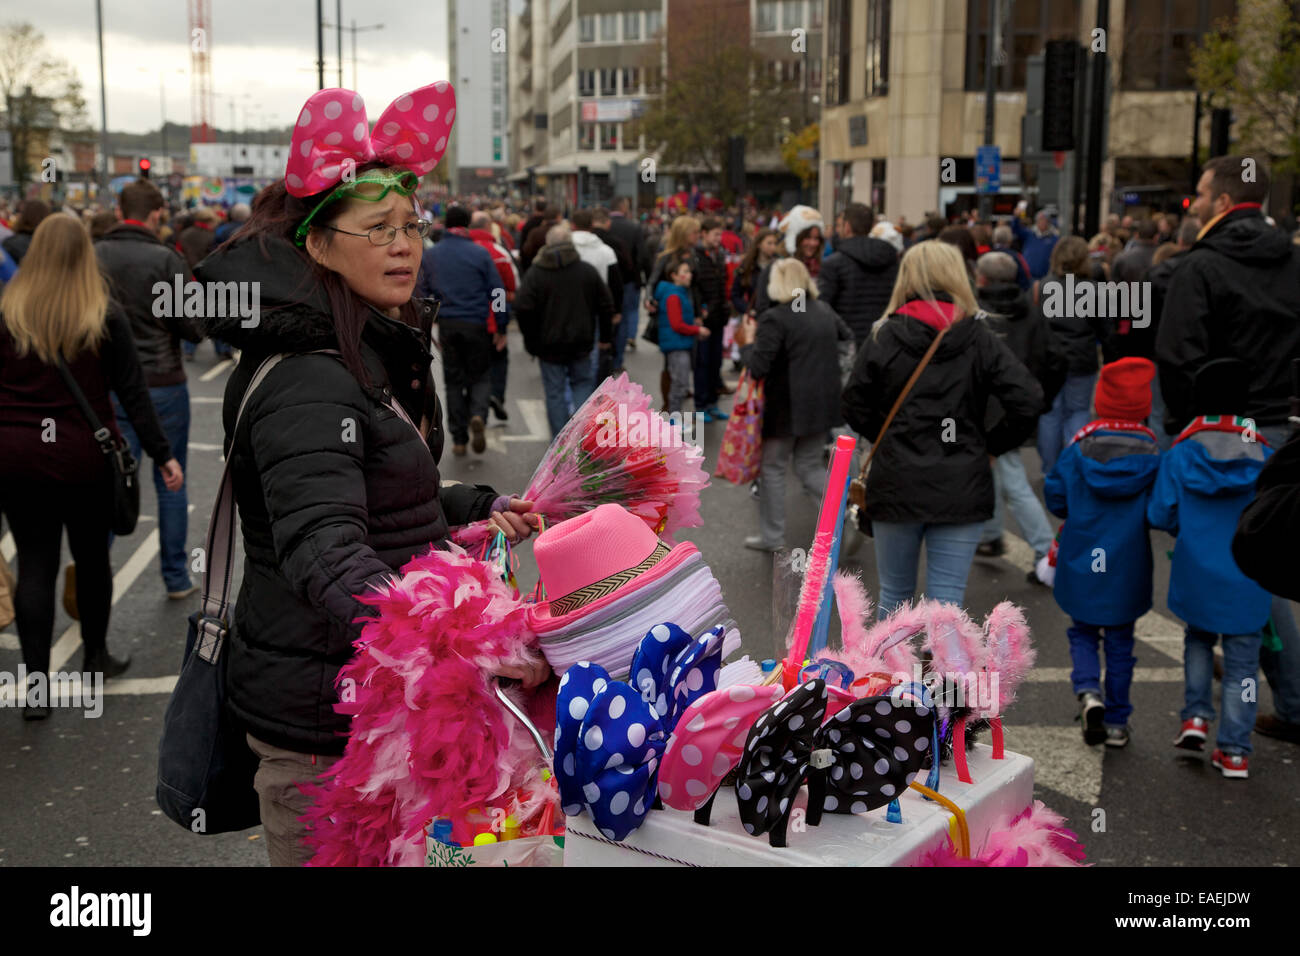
point(861, 759)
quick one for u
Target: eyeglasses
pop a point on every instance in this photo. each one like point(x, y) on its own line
point(383, 234)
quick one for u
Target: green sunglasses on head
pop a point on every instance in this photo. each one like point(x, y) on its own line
point(371, 187)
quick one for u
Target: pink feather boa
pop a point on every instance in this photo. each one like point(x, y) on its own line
point(1034, 837)
point(428, 737)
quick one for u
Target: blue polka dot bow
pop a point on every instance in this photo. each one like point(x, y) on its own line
point(610, 736)
point(672, 670)
point(608, 743)
point(861, 759)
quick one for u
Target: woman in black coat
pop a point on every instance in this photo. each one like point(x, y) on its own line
point(793, 349)
point(931, 481)
point(337, 487)
point(53, 474)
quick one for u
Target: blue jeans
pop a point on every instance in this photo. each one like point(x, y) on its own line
point(708, 370)
point(1282, 668)
point(1240, 663)
point(1070, 411)
point(1011, 482)
point(626, 328)
point(949, 551)
point(1086, 675)
point(172, 403)
point(559, 379)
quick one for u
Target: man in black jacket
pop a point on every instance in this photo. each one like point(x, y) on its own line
point(1021, 326)
point(560, 302)
point(134, 261)
point(1236, 294)
point(709, 268)
point(857, 278)
point(1132, 264)
point(605, 226)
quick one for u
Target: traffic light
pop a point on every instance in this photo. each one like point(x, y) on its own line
point(1187, 203)
point(144, 165)
point(1220, 136)
point(1060, 62)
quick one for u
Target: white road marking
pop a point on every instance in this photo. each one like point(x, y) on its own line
point(1141, 675)
point(221, 368)
point(1062, 761)
point(534, 412)
point(206, 399)
point(203, 446)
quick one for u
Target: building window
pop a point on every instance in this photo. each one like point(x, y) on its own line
point(654, 79)
point(608, 136)
point(586, 28)
point(878, 172)
point(586, 82)
point(607, 81)
point(1158, 36)
point(839, 35)
point(609, 28)
point(815, 14)
point(1024, 34)
point(631, 80)
point(815, 74)
point(877, 47)
point(654, 22)
point(586, 136)
point(791, 14)
point(632, 25)
point(766, 16)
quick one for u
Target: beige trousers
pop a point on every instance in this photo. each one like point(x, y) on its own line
point(282, 803)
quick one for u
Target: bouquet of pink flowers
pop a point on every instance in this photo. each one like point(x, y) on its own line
point(617, 449)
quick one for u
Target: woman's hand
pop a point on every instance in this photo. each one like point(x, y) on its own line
point(530, 675)
point(517, 521)
point(746, 331)
point(173, 476)
point(704, 332)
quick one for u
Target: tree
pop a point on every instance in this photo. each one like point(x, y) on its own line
point(34, 85)
point(717, 87)
point(805, 141)
point(1252, 67)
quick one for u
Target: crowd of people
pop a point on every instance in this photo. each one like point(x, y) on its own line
point(936, 344)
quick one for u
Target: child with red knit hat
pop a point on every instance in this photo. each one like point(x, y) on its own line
point(1102, 483)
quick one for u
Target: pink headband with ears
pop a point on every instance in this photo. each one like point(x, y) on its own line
point(332, 134)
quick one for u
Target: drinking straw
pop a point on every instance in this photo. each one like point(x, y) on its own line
point(816, 576)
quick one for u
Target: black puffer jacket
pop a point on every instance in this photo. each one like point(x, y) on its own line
point(560, 304)
point(133, 260)
point(933, 463)
point(857, 280)
point(1236, 294)
point(796, 354)
point(16, 245)
point(1079, 336)
point(709, 270)
point(335, 492)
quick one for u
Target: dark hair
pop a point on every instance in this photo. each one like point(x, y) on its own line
point(33, 214)
point(600, 214)
point(276, 215)
point(860, 218)
point(1227, 178)
point(540, 205)
point(101, 223)
point(681, 259)
point(935, 224)
point(457, 217)
point(553, 212)
point(709, 223)
point(1146, 229)
point(581, 219)
point(960, 237)
point(139, 199)
point(749, 265)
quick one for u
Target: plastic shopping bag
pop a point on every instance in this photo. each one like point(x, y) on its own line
point(742, 442)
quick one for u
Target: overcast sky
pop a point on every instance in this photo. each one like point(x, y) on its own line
point(263, 54)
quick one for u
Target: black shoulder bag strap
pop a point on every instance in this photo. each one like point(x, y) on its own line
point(102, 434)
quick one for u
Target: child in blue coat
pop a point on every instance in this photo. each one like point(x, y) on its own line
point(1101, 483)
point(678, 330)
point(1206, 480)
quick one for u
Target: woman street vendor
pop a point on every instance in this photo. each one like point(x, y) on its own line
point(337, 486)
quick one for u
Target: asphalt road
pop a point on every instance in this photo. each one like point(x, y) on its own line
point(78, 790)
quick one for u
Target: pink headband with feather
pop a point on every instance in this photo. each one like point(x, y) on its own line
point(332, 134)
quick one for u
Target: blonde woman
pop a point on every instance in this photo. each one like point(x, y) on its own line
point(789, 348)
point(931, 481)
point(52, 472)
point(679, 243)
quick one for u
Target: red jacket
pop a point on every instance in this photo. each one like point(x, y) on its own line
point(504, 262)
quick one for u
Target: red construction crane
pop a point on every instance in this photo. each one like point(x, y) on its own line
point(200, 72)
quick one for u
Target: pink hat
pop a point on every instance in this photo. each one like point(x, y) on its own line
point(585, 561)
point(708, 741)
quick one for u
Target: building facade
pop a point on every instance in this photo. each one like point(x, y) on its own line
point(478, 42)
point(583, 70)
point(904, 93)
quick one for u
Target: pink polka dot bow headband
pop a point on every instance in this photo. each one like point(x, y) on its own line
point(332, 136)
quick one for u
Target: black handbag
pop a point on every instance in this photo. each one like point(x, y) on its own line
point(126, 470)
point(205, 766)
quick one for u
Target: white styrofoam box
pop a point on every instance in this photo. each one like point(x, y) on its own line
point(1002, 789)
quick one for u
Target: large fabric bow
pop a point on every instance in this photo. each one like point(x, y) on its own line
point(671, 669)
point(332, 134)
point(608, 742)
point(859, 760)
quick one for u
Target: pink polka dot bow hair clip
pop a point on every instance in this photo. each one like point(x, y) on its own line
point(332, 136)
